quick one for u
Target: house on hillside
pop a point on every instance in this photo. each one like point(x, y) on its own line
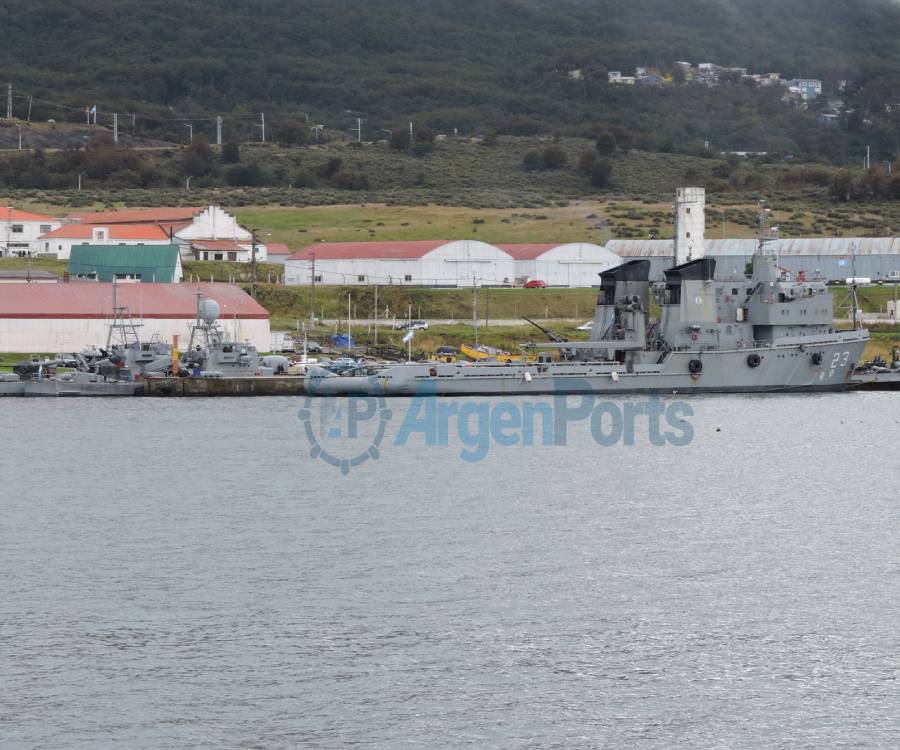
point(616, 78)
point(808, 89)
point(209, 233)
point(59, 242)
point(160, 264)
point(20, 230)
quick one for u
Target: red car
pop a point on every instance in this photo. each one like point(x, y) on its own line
point(535, 284)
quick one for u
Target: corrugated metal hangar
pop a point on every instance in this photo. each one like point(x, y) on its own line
point(440, 263)
point(830, 258)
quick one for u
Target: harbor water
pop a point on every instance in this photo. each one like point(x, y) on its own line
point(184, 573)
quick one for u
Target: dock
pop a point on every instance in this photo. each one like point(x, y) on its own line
point(276, 385)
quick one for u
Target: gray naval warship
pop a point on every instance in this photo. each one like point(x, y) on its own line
point(758, 333)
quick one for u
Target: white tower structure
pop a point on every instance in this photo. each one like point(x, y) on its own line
point(690, 220)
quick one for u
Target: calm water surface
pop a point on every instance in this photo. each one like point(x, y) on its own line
point(182, 574)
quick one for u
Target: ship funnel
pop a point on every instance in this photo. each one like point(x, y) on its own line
point(702, 269)
point(630, 280)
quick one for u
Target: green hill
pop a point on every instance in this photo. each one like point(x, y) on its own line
point(476, 66)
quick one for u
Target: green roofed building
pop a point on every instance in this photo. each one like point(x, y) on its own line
point(147, 263)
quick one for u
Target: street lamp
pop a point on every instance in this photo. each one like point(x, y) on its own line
point(187, 183)
point(80, 175)
point(20, 136)
point(190, 127)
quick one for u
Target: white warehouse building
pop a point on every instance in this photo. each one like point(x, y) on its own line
point(68, 317)
point(573, 264)
point(438, 263)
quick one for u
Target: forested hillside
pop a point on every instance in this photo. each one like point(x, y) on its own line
point(478, 66)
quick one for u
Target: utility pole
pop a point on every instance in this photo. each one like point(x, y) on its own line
point(219, 130)
point(80, 175)
point(868, 156)
point(359, 130)
point(262, 124)
point(9, 101)
point(312, 290)
point(410, 135)
point(376, 312)
point(30, 102)
point(115, 127)
point(253, 264)
point(87, 114)
point(475, 309)
point(190, 127)
point(349, 334)
point(133, 118)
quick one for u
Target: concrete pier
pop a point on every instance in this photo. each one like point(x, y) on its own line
point(249, 386)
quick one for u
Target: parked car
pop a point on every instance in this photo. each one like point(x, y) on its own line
point(414, 325)
point(589, 326)
point(535, 284)
point(312, 347)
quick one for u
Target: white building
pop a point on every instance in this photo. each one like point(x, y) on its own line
point(690, 223)
point(68, 317)
point(807, 89)
point(59, 242)
point(573, 264)
point(616, 78)
point(207, 233)
point(414, 263)
point(20, 230)
point(277, 252)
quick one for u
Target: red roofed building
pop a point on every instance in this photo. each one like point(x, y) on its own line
point(20, 230)
point(61, 240)
point(277, 252)
point(415, 263)
point(68, 317)
point(191, 227)
point(143, 216)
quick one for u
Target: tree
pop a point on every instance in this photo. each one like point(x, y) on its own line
point(624, 138)
point(606, 143)
point(533, 160)
point(231, 152)
point(587, 160)
point(399, 139)
point(304, 178)
point(290, 132)
point(198, 159)
point(601, 174)
point(554, 157)
point(246, 175)
point(352, 180)
point(841, 187)
point(330, 167)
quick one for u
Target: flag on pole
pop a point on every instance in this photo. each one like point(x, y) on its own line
point(409, 335)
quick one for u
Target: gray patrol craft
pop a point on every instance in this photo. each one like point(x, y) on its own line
point(758, 333)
